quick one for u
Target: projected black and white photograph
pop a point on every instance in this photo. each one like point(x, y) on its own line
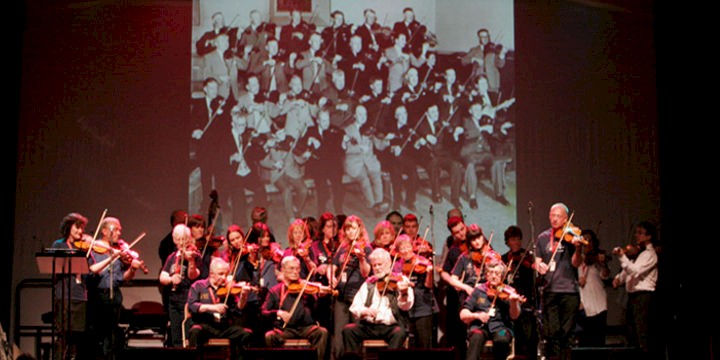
point(305, 107)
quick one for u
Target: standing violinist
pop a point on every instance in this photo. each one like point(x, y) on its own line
point(418, 269)
point(179, 271)
point(106, 277)
point(348, 272)
point(520, 276)
point(556, 261)
point(212, 307)
point(380, 306)
point(457, 245)
point(259, 269)
point(299, 242)
point(489, 312)
point(256, 34)
point(70, 302)
point(411, 227)
point(292, 304)
point(359, 65)
point(322, 250)
point(468, 271)
point(294, 35)
point(412, 29)
point(373, 35)
point(336, 37)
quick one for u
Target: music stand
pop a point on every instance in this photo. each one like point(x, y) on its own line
point(61, 262)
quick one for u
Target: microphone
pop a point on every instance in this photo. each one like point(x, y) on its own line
point(530, 206)
point(431, 209)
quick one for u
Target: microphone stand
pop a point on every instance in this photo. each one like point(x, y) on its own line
point(537, 293)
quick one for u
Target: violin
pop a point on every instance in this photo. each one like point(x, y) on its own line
point(236, 289)
point(84, 245)
point(128, 256)
point(272, 252)
point(504, 292)
point(489, 256)
point(389, 282)
point(630, 250)
point(417, 266)
point(311, 288)
point(570, 232)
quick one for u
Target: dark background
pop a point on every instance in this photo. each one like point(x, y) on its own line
point(96, 95)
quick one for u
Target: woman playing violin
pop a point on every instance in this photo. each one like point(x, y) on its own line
point(489, 311)
point(468, 270)
point(70, 302)
point(291, 305)
point(181, 269)
point(418, 270)
point(299, 241)
point(520, 275)
point(321, 252)
point(349, 270)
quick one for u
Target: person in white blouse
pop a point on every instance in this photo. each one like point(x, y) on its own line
point(640, 279)
point(592, 274)
point(380, 306)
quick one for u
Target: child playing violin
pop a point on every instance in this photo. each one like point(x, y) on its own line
point(489, 311)
point(292, 304)
point(418, 269)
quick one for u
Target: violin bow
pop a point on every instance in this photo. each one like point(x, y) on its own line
point(97, 230)
point(299, 297)
point(387, 277)
point(212, 226)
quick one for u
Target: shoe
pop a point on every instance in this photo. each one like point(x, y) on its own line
point(501, 199)
point(473, 203)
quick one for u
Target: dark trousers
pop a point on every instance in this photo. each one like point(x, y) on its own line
point(592, 329)
point(104, 316)
point(239, 337)
point(559, 319)
point(317, 335)
point(638, 319)
point(501, 343)
point(422, 330)
point(354, 334)
point(176, 313)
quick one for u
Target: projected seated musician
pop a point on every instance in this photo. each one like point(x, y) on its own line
point(291, 305)
point(245, 158)
point(212, 303)
point(477, 151)
point(361, 163)
point(438, 142)
point(286, 168)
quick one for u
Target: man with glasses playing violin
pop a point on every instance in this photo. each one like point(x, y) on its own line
point(212, 305)
point(556, 261)
point(380, 306)
point(292, 304)
point(488, 312)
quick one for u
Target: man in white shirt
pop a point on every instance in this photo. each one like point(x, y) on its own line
point(640, 279)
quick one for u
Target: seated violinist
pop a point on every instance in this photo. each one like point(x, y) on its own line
point(291, 304)
point(212, 306)
point(380, 306)
point(469, 268)
point(489, 311)
point(418, 269)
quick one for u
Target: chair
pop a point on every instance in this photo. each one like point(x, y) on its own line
point(147, 321)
